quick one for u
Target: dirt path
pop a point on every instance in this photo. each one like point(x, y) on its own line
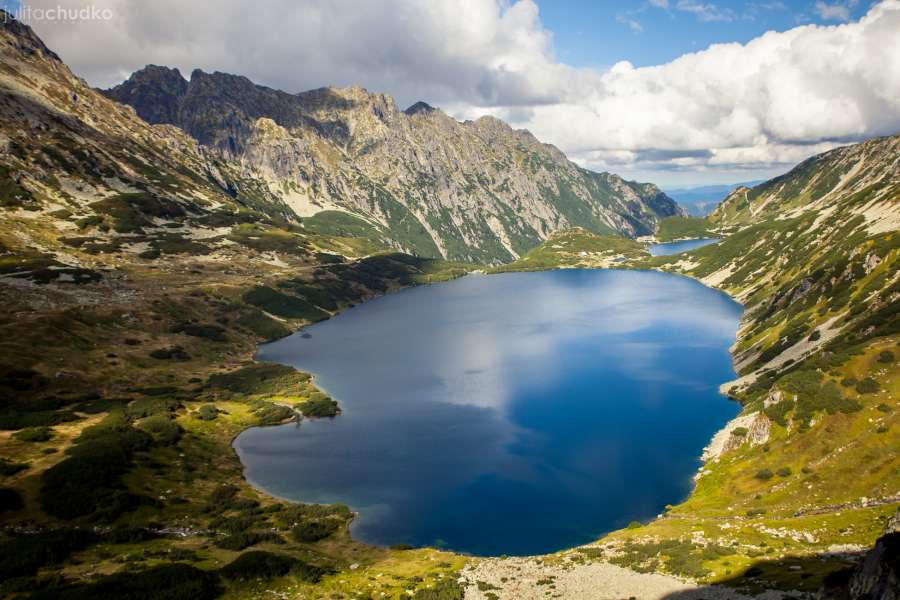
point(529, 579)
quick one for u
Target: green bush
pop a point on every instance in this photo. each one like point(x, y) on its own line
point(10, 500)
point(174, 353)
point(147, 407)
point(313, 531)
point(740, 431)
point(635, 525)
point(784, 472)
point(884, 408)
point(283, 305)
point(173, 581)
point(849, 381)
point(23, 555)
point(260, 379)
point(164, 430)
point(319, 407)
point(89, 480)
point(11, 420)
point(868, 386)
point(764, 475)
point(273, 414)
point(207, 412)
point(208, 332)
point(886, 357)
point(34, 434)
point(239, 541)
point(293, 514)
point(258, 564)
point(442, 590)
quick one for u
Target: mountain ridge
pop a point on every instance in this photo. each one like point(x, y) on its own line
point(474, 190)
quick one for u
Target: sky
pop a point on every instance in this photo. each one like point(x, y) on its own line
point(677, 92)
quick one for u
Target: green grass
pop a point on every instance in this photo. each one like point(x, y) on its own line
point(576, 248)
point(677, 228)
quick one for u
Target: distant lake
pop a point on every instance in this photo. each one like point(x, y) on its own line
point(670, 248)
point(506, 414)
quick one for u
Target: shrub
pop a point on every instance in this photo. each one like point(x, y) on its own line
point(89, 480)
point(740, 431)
point(884, 408)
point(886, 357)
point(10, 500)
point(147, 407)
point(239, 541)
point(635, 525)
point(313, 531)
point(258, 564)
point(273, 414)
point(207, 412)
point(9, 468)
point(778, 412)
point(11, 420)
point(23, 555)
point(129, 535)
point(209, 332)
point(764, 475)
point(443, 590)
point(784, 472)
point(815, 336)
point(164, 430)
point(867, 386)
point(174, 353)
point(319, 407)
point(34, 434)
point(848, 381)
point(173, 581)
point(282, 305)
point(260, 379)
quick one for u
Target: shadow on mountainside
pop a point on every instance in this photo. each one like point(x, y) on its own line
point(872, 575)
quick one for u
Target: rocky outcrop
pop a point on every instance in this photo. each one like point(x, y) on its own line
point(753, 429)
point(475, 190)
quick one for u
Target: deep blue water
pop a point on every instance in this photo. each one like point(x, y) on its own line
point(677, 247)
point(506, 414)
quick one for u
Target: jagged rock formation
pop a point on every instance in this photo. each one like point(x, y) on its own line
point(416, 178)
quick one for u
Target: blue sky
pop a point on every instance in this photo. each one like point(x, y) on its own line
point(598, 34)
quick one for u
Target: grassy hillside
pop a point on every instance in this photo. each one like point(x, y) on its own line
point(577, 248)
point(679, 228)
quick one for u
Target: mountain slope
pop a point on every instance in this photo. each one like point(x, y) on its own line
point(417, 179)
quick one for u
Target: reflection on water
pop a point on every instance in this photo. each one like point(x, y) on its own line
point(506, 414)
point(670, 248)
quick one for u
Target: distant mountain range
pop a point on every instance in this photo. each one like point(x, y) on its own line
point(414, 179)
point(699, 201)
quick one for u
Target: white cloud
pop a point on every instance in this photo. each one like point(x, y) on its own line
point(839, 11)
point(730, 108)
point(705, 12)
point(632, 24)
point(660, 3)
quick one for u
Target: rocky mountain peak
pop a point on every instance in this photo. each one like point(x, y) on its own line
point(24, 39)
point(478, 190)
point(419, 107)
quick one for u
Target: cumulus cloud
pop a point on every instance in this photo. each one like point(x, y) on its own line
point(767, 103)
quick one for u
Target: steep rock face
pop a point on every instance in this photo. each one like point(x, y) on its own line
point(477, 190)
